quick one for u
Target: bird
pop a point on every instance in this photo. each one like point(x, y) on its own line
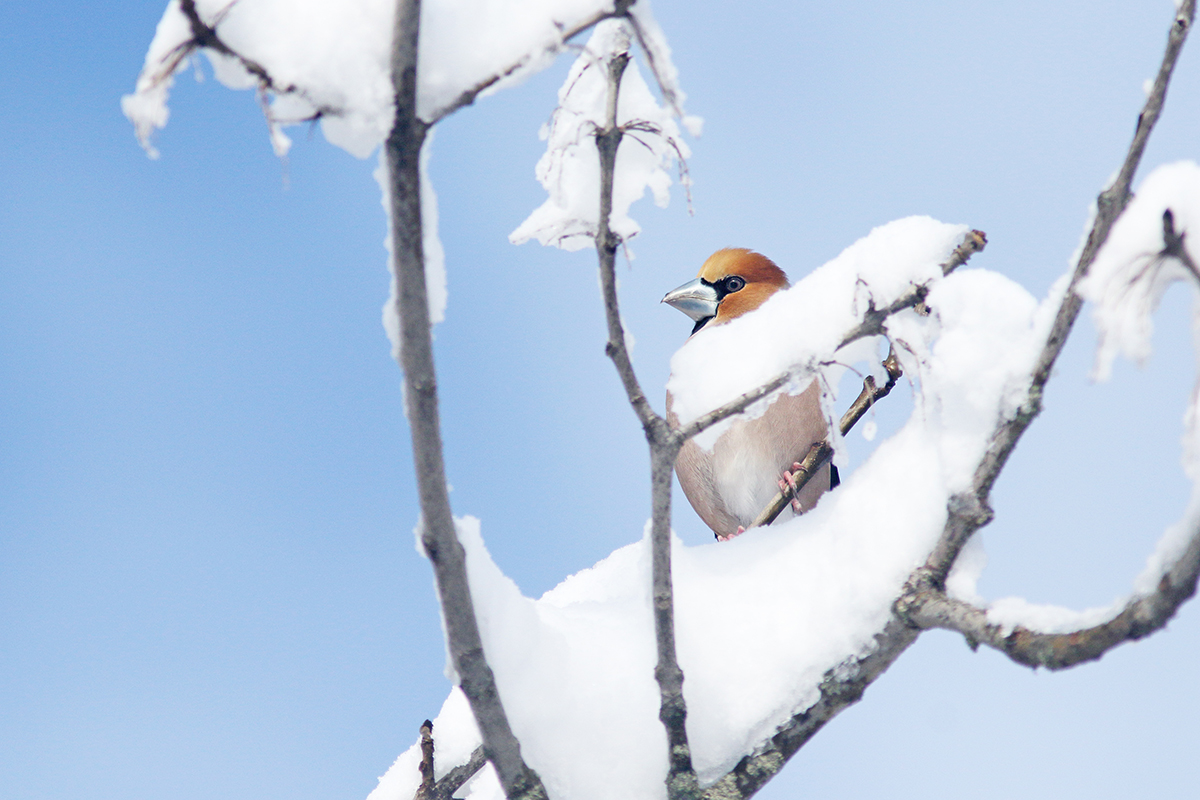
point(729, 485)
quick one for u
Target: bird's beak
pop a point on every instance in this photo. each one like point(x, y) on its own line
point(695, 298)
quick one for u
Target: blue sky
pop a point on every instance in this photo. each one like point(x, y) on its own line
point(207, 580)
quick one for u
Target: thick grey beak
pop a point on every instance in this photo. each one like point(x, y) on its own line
point(695, 298)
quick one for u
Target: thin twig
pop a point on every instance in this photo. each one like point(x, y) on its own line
point(206, 36)
point(822, 451)
point(403, 151)
point(427, 788)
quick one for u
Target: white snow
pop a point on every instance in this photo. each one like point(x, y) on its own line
point(301, 44)
point(1128, 278)
point(570, 168)
point(760, 620)
point(1010, 612)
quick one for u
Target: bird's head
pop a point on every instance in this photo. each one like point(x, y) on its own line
point(732, 282)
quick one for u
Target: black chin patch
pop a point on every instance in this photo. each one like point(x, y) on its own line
point(700, 323)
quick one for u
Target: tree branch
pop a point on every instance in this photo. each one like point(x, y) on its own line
point(427, 788)
point(681, 776)
point(970, 510)
point(1141, 616)
point(453, 780)
point(874, 319)
point(403, 150)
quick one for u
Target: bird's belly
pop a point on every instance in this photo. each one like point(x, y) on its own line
point(746, 471)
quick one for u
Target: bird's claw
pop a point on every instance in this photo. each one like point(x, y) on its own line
point(731, 536)
point(787, 485)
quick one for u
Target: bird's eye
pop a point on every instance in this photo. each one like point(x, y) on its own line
point(734, 283)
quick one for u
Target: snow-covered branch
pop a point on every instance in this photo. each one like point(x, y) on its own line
point(468, 96)
point(970, 510)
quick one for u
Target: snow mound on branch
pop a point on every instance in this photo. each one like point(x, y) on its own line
point(1129, 276)
point(570, 168)
point(762, 620)
point(1011, 612)
point(1126, 283)
point(332, 58)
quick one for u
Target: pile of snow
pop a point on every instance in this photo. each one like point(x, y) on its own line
point(760, 620)
point(304, 44)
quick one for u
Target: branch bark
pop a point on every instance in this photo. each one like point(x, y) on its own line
point(1141, 616)
point(403, 150)
point(664, 446)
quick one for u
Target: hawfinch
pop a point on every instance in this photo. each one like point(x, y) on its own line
point(729, 486)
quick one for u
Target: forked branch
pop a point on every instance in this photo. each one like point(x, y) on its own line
point(1141, 616)
point(681, 777)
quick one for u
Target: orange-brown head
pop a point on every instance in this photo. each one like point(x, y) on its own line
point(732, 282)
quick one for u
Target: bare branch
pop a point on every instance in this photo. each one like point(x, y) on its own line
point(1141, 616)
point(681, 776)
point(608, 141)
point(821, 452)
point(403, 150)
point(735, 406)
point(453, 780)
point(427, 788)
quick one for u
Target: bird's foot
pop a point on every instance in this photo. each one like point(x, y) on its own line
point(787, 485)
point(731, 536)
